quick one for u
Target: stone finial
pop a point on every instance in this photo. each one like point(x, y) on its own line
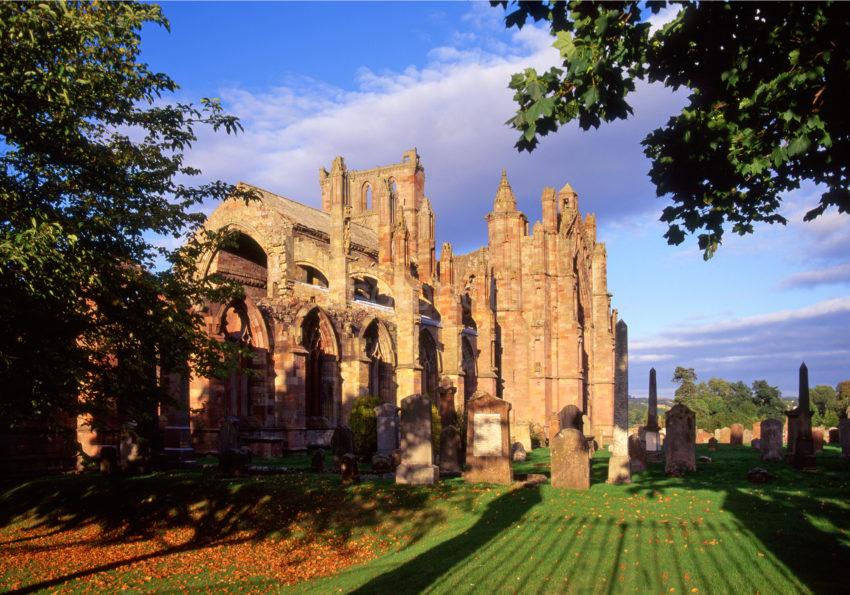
point(803, 397)
point(568, 198)
point(338, 165)
point(426, 206)
point(505, 200)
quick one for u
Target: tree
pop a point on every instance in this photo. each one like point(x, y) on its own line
point(767, 99)
point(768, 400)
point(685, 378)
point(92, 168)
point(828, 408)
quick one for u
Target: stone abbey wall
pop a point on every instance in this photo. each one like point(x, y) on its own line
point(351, 300)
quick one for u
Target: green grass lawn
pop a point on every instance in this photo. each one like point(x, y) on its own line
point(710, 532)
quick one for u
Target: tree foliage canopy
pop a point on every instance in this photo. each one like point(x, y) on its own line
point(767, 101)
point(92, 169)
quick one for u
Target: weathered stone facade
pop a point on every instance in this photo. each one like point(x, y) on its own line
point(351, 300)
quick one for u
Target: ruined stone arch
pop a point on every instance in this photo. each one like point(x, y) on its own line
point(366, 197)
point(469, 365)
point(311, 274)
point(379, 350)
point(430, 361)
point(318, 340)
point(372, 288)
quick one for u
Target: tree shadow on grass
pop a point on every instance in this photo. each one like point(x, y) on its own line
point(427, 568)
point(208, 509)
point(802, 518)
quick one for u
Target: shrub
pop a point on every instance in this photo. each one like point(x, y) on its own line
point(364, 426)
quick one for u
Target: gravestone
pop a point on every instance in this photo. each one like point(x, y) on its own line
point(771, 440)
point(833, 436)
point(382, 463)
point(342, 443)
point(417, 458)
point(817, 439)
point(703, 437)
point(317, 461)
point(680, 443)
point(387, 422)
point(748, 435)
point(228, 435)
point(637, 454)
point(488, 435)
point(446, 404)
point(521, 432)
point(736, 435)
point(450, 451)
point(801, 448)
point(518, 453)
point(712, 444)
point(570, 464)
point(844, 437)
point(723, 435)
point(348, 469)
point(651, 438)
point(755, 443)
point(619, 468)
point(571, 417)
point(757, 430)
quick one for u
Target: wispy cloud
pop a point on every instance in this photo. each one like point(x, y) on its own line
point(767, 346)
point(836, 274)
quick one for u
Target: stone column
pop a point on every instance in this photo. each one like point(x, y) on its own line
point(803, 454)
point(618, 465)
point(653, 443)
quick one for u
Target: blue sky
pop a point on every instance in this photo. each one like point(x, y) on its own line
point(370, 80)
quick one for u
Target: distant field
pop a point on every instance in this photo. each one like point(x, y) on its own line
point(710, 532)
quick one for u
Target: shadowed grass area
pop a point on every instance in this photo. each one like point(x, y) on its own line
point(709, 532)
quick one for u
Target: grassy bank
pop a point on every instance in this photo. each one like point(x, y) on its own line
point(710, 532)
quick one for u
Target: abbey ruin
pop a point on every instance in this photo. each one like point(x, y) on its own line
point(352, 300)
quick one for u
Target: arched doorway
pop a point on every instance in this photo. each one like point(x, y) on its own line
point(379, 349)
point(321, 377)
point(429, 361)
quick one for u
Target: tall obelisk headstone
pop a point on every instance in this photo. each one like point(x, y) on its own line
point(801, 449)
point(618, 465)
point(653, 441)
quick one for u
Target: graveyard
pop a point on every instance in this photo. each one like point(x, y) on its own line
point(709, 531)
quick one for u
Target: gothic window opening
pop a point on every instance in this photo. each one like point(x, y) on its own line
point(429, 360)
point(244, 261)
point(379, 351)
point(322, 367)
point(470, 370)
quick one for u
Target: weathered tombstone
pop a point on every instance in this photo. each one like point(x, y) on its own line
point(755, 443)
point(488, 440)
point(844, 437)
point(228, 435)
point(801, 448)
point(518, 453)
point(712, 444)
point(817, 439)
point(387, 422)
point(771, 440)
point(342, 444)
point(317, 461)
point(348, 468)
point(703, 437)
point(619, 468)
point(680, 444)
point(382, 463)
point(416, 466)
point(446, 404)
point(736, 435)
point(757, 430)
point(450, 451)
point(723, 435)
point(833, 436)
point(651, 437)
point(521, 432)
point(571, 417)
point(748, 436)
point(570, 464)
point(637, 454)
